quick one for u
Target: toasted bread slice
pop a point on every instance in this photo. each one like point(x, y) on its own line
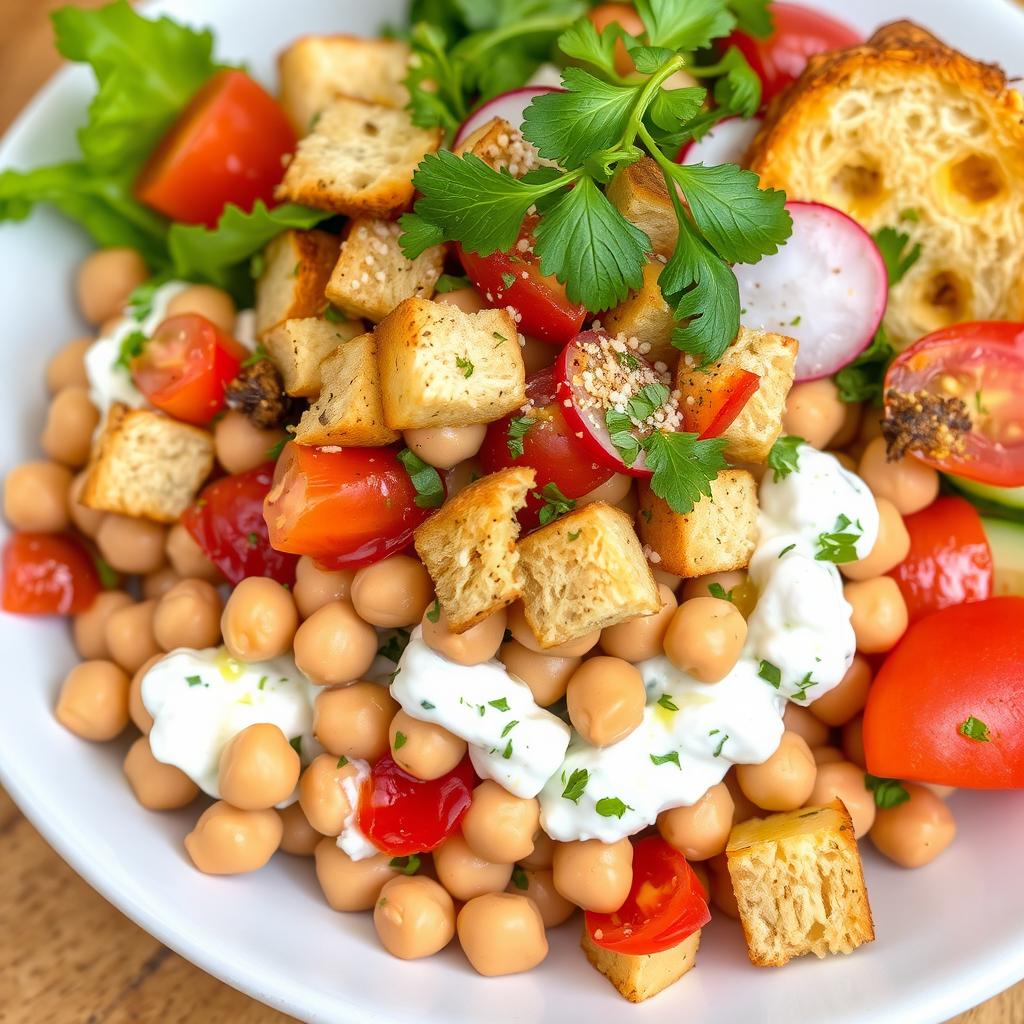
point(501, 145)
point(646, 316)
point(640, 977)
point(639, 193)
point(298, 347)
point(296, 268)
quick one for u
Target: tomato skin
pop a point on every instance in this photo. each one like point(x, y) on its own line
point(227, 523)
point(401, 814)
point(949, 560)
point(713, 417)
point(48, 574)
point(966, 660)
point(227, 146)
point(660, 874)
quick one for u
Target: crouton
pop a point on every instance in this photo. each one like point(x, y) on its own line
point(639, 193)
point(147, 465)
point(441, 367)
point(358, 160)
point(799, 885)
point(903, 131)
point(298, 347)
point(372, 275)
point(316, 71)
point(717, 535)
point(296, 268)
point(638, 977)
point(501, 145)
point(773, 358)
point(646, 316)
point(348, 411)
point(469, 547)
point(583, 572)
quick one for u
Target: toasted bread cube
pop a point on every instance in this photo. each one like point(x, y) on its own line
point(469, 547)
point(639, 193)
point(638, 977)
point(147, 465)
point(501, 145)
point(583, 572)
point(717, 535)
point(358, 160)
point(298, 347)
point(372, 275)
point(316, 71)
point(646, 316)
point(773, 358)
point(296, 268)
point(441, 367)
point(799, 885)
point(348, 411)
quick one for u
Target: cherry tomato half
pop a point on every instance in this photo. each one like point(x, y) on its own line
point(983, 364)
point(665, 905)
point(963, 663)
point(226, 147)
point(711, 416)
point(401, 814)
point(48, 574)
point(227, 523)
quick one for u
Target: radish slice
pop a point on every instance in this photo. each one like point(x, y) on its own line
point(726, 143)
point(508, 106)
point(826, 287)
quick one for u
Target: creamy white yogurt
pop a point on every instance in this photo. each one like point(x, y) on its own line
point(353, 840)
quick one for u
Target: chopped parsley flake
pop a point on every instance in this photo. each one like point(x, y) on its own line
point(501, 704)
point(805, 684)
point(887, 792)
point(434, 611)
point(507, 752)
point(575, 535)
point(974, 729)
point(770, 673)
point(717, 752)
point(839, 546)
point(784, 457)
point(611, 807)
point(576, 785)
point(508, 279)
point(465, 366)
point(395, 645)
point(666, 702)
point(517, 429)
point(407, 865)
point(426, 705)
point(252, 538)
point(519, 878)
point(400, 739)
point(670, 758)
point(508, 728)
point(196, 680)
point(786, 550)
point(556, 504)
point(342, 761)
point(717, 590)
point(296, 744)
point(426, 479)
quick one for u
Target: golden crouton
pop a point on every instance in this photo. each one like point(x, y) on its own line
point(773, 358)
point(583, 572)
point(639, 193)
point(348, 411)
point(298, 347)
point(646, 316)
point(315, 71)
point(640, 977)
point(296, 268)
point(469, 547)
point(717, 535)
point(372, 275)
point(799, 885)
point(441, 367)
point(147, 465)
point(358, 160)
point(501, 145)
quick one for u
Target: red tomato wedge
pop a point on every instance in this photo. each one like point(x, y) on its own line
point(345, 508)
point(48, 574)
point(401, 814)
point(185, 367)
point(983, 364)
point(665, 905)
point(949, 561)
point(227, 523)
point(955, 674)
point(714, 415)
point(227, 146)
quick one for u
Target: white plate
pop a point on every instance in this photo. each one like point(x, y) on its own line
point(948, 936)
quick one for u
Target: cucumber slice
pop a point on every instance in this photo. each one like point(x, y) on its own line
point(1009, 497)
point(1006, 540)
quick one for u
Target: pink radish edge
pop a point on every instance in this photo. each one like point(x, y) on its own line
point(507, 105)
point(726, 143)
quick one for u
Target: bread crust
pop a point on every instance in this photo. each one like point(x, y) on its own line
point(640, 977)
point(297, 348)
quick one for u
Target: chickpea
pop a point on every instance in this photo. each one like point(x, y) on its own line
point(942, 792)
point(522, 632)
point(879, 616)
point(910, 485)
point(259, 620)
point(547, 676)
point(157, 786)
point(188, 615)
point(543, 856)
point(848, 462)
point(466, 299)
point(814, 412)
point(499, 826)
point(845, 780)
point(827, 755)
point(668, 578)
point(66, 369)
point(853, 741)
point(459, 478)
point(239, 445)
point(187, 558)
point(606, 700)
point(851, 425)
point(156, 583)
point(594, 875)
point(464, 874)
point(612, 491)
point(131, 545)
point(259, 768)
point(502, 933)
point(70, 422)
point(93, 701)
point(705, 638)
point(785, 780)
point(446, 447)
point(298, 837)
point(414, 917)
point(394, 592)
point(641, 638)
point(701, 830)
point(477, 644)
point(700, 869)
point(88, 629)
point(229, 841)
point(352, 721)
point(539, 886)
point(743, 808)
point(891, 547)
point(87, 520)
point(315, 587)
point(349, 884)
point(735, 584)
point(334, 645)
point(105, 280)
point(630, 504)
point(840, 704)
point(136, 709)
point(423, 749)
point(720, 889)
point(129, 635)
point(216, 305)
point(916, 831)
point(324, 793)
point(799, 720)
point(37, 497)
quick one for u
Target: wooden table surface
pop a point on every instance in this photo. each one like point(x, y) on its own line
point(66, 955)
